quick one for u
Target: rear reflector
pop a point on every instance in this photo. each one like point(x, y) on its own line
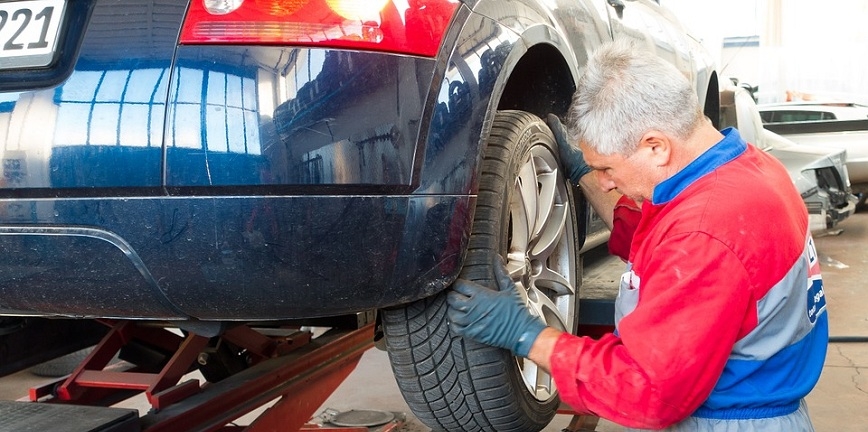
point(403, 26)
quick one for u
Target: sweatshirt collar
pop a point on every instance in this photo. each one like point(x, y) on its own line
point(727, 149)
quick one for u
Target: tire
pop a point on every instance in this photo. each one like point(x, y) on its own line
point(453, 384)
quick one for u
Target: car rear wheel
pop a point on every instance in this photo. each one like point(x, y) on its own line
point(524, 213)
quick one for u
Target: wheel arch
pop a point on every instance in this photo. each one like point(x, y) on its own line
point(541, 82)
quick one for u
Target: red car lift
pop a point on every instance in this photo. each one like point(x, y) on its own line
point(289, 366)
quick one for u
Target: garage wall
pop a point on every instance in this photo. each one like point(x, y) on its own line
point(811, 49)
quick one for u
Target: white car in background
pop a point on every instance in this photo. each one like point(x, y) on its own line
point(819, 173)
point(835, 125)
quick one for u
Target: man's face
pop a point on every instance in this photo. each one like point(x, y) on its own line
point(631, 175)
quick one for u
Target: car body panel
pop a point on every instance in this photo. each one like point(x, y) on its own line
point(251, 182)
point(293, 117)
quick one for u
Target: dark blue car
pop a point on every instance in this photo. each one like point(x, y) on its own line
point(205, 161)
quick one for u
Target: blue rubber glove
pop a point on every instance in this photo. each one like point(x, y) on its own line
point(571, 157)
point(499, 318)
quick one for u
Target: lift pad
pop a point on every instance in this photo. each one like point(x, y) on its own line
point(40, 417)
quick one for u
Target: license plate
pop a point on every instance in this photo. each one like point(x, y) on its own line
point(29, 31)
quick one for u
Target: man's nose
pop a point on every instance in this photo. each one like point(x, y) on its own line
point(605, 181)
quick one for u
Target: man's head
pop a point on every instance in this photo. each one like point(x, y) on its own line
point(629, 109)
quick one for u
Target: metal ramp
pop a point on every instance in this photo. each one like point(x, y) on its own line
point(38, 417)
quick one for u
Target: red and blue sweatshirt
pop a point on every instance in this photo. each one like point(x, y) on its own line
point(721, 312)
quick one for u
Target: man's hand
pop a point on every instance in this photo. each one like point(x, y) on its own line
point(571, 157)
point(499, 318)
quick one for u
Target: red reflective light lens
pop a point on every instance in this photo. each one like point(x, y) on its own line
point(402, 26)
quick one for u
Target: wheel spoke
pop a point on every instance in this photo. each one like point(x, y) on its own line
point(527, 185)
point(530, 371)
point(543, 381)
point(515, 265)
point(541, 305)
point(554, 281)
point(551, 233)
point(547, 187)
point(520, 225)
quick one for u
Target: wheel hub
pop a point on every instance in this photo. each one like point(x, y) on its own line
point(527, 273)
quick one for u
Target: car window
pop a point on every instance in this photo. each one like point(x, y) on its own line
point(800, 116)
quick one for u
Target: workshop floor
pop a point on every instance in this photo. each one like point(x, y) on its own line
point(838, 403)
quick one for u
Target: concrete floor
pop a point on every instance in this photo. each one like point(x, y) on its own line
point(838, 403)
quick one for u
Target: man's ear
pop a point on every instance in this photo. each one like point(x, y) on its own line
point(657, 147)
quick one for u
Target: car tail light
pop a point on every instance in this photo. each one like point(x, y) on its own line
point(403, 26)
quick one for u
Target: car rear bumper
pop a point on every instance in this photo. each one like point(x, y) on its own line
point(839, 214)
point(821, 219)
point(229, 258)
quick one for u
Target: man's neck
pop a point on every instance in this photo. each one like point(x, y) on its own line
point(702, 139)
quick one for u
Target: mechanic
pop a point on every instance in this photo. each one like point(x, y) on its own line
point(720, 315)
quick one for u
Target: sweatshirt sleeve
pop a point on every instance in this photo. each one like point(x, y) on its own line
point(624, 222)
point(671, 350)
